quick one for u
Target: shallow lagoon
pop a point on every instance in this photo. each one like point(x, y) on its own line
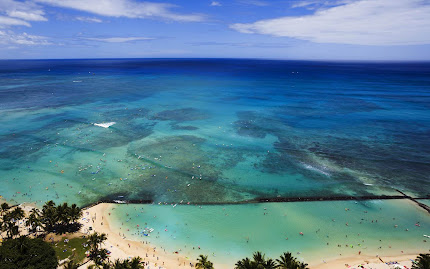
point(231, 231)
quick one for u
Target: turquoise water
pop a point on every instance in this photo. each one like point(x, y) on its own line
point(220, 232)
point(426, 202)
point(211, 131)
point(225, 131)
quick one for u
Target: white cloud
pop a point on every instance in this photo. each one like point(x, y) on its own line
point(8, 21)
point(88, 19)
point(28, 16)
point(312, 4)
point(124, 8)
point(119, 39)
point(215, 4)
point(27, 11)
point(11, 38)
point(363, 22)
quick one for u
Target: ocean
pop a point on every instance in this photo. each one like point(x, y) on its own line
point(217, 132)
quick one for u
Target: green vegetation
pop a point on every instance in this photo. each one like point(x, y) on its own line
point(71, 265)
point(287, 261)
point(51, 218)
point(73, 248)
point(10, 220)
point(24, 252)
point(422, 262)
point(204, 263)
point(134, 263)
point(59, 219)
point(97, 254)
point(4, 208)
point(259, 261)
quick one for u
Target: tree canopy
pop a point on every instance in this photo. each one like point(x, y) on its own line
point(60, 219)
point(204, 263)
point(422, 262)
point(259, 261)
point(24, 252)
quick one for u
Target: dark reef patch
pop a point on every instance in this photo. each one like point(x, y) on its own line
point(181, 170)
point(182, 127)
point(253, 124)
point(125, 113)
point(117, 135)
point(321, 107)
point(181, 115)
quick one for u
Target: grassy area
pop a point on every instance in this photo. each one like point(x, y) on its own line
point(74, 247)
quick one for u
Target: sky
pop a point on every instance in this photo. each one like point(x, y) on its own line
point(396, 30)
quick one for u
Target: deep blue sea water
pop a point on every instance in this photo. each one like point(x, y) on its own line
point(211, 130)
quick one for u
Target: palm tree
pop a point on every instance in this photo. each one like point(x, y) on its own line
point(9, 227)
point(97, 254)
point(17, 214)
point(270, 264)
point(10, 220)
point(422, 262)
point(118, 264)
point(103, 266)
point(63, 213)
point(33, 221)
point(258, 257)
point(135, 263)
point(74, 213)
point(71, 265)
point(49, 204)
point(302, 265)
point(95, 240)
point(286, 261)
point(244, 264)
point(4, 208)
point(259, 261)
point(204, 263)
point(49, 216)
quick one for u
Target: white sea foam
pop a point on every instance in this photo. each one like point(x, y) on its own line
point(105, 125)
point(310, 167)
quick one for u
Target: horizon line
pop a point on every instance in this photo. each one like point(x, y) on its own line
point(222, 58)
